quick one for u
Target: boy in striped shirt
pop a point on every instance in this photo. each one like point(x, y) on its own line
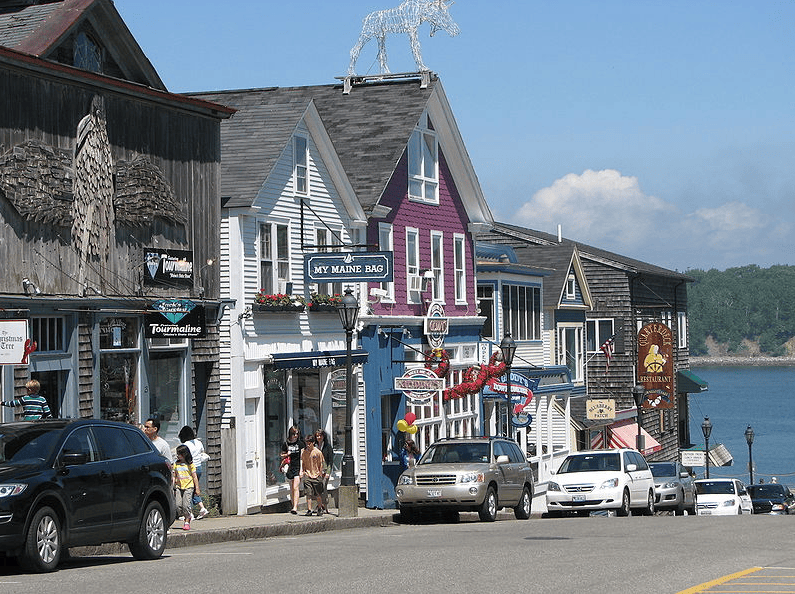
point(34, 407)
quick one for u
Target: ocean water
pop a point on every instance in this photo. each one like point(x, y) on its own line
point(762, 397)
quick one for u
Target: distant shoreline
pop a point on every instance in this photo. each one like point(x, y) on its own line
point(728, 361)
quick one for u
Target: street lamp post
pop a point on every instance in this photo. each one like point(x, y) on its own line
point(638, 392)
point(749, 438)
point(706, 429)
point(508, 350)
point(348, 310)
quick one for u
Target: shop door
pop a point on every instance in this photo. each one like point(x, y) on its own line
point(253, 472)
point(53, 387)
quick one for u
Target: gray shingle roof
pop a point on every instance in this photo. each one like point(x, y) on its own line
point(18, 23)
point(557, 258)
point(369, 129)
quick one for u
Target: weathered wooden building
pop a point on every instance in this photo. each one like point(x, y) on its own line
point(109, 197)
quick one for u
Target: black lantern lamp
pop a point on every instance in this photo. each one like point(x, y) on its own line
point(508, 350)
point(749, 438)
point(638, 392)
point(348, 310)
point(706, 429)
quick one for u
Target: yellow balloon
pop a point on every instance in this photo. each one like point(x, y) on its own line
point(411, 429)
point(402, 425)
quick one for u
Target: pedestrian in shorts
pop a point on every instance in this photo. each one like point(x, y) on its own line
point(313, 472)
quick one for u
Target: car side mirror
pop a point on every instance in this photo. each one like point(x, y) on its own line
point(503, 459)
point(684, 474)
point(74, 458)
point(632, 467)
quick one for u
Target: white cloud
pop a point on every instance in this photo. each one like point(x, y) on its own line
point(730, 218)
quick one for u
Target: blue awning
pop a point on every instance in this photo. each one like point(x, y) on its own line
point(316, 359)
point(687, 381)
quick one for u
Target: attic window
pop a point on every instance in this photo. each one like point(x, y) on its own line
point(570, 287)
point(424, 163)
point(87, 54)
point(300, 168)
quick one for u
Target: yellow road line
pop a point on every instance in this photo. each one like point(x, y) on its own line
point(727, 578)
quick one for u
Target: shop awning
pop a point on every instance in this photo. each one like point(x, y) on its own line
point(687, 381)
point(315, 359)
point(623, 436)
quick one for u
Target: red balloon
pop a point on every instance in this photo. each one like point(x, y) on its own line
point(410, 418)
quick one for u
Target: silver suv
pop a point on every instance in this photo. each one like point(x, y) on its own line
point(482, 474)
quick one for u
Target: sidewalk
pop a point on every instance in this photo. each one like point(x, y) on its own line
point(268, 525)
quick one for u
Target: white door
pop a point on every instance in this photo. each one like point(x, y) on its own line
point(253, 474)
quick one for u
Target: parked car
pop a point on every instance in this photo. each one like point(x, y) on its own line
point(479, 474)
point(80, 482)
point(771, 499)
point(617, 479)
point(673, 488)
point(722, 497)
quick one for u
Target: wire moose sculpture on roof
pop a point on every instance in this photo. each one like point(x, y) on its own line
point(405, 18)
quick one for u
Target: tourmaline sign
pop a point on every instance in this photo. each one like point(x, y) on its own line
point(656, 365)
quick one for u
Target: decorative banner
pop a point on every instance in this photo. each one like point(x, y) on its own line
point(656, 365)
point(521, 395)
point(600, 409)
point(419, 385)
point(331, 267)
point(175, 318)
point(14, 342)
point(436, 326)
point(172, 268)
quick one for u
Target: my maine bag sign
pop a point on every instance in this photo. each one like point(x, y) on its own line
point(175, 318)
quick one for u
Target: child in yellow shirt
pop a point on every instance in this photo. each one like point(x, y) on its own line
point(186, 483)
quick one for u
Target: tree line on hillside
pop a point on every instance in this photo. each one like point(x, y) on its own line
point(749, 302)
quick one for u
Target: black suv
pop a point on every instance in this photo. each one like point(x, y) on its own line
point(80, 482)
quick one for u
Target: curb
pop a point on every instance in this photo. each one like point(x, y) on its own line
point(178, 539)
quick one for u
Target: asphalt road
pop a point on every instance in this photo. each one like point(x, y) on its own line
point(662, 554)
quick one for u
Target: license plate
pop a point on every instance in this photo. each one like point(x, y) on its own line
point(434, 492)
point(578, 498)
point(705, 512)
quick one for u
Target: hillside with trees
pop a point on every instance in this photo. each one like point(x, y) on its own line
point(742, 305)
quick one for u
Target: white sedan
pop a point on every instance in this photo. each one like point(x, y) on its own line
point(722, 497)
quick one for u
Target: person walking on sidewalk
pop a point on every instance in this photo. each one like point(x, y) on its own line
point(291, 454)
point(312, 471)
point(322, 443)
point(196, 447)
point(186, 483)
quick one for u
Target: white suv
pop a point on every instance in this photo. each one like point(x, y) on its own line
point(601, 480)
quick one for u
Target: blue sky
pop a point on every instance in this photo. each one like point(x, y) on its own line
point(664, 131)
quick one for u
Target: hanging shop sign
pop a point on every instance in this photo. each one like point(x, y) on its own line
point(655, 365)
point(419, 385)
point(339, 388)
point(522, 388)
point(600, 409)
point(170, 268)
point(175, 318)
point(329, 267)
point(15, 346)
point(436, 326)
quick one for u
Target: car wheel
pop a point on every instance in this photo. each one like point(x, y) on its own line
point(408, 515)
point(151, 539)
point(739, 510)
point(488, 510)
point(42, 550)
point(680, 508)
point(649, 509)
point(522, 511)
point(624, 509)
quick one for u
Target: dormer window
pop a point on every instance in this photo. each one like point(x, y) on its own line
point(571, 287)
point(424, 164)
point(87, 54)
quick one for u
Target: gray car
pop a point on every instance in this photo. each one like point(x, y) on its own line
point(673, 488)
point(479, 474)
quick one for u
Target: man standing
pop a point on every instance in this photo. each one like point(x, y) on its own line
point(312, 471)
point(152, 430)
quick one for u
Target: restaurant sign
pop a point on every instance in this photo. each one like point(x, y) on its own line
point(330, 267)
point(655, 365)
point(419, 385)
point(175, 318)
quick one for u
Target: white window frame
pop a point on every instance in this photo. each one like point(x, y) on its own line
point(459, 263)
point(328, 240)
point(423, 176)
point(412, 263)
point(571, 283)
point(578, 352)
point(437, 265)
point(300, 165)
point(49, 332)
point(280, 263)
point(599, 339)
point(527, 325)
point(681, 329)
point(386, 243)
point(483, 287)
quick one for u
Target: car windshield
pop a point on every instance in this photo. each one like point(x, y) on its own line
point(663, 469)
point(762, 491)
point(610, 461)
point(28, 445)
point(715, 488)
point(454, 453)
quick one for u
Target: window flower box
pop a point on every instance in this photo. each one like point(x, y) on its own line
point(278, 302)
point(318, 302)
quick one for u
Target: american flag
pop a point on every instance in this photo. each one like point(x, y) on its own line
point(608, 348)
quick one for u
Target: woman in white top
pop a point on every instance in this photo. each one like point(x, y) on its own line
point(196, 447)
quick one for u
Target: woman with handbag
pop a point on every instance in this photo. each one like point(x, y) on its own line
point(291, 456)
point(196, 447)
